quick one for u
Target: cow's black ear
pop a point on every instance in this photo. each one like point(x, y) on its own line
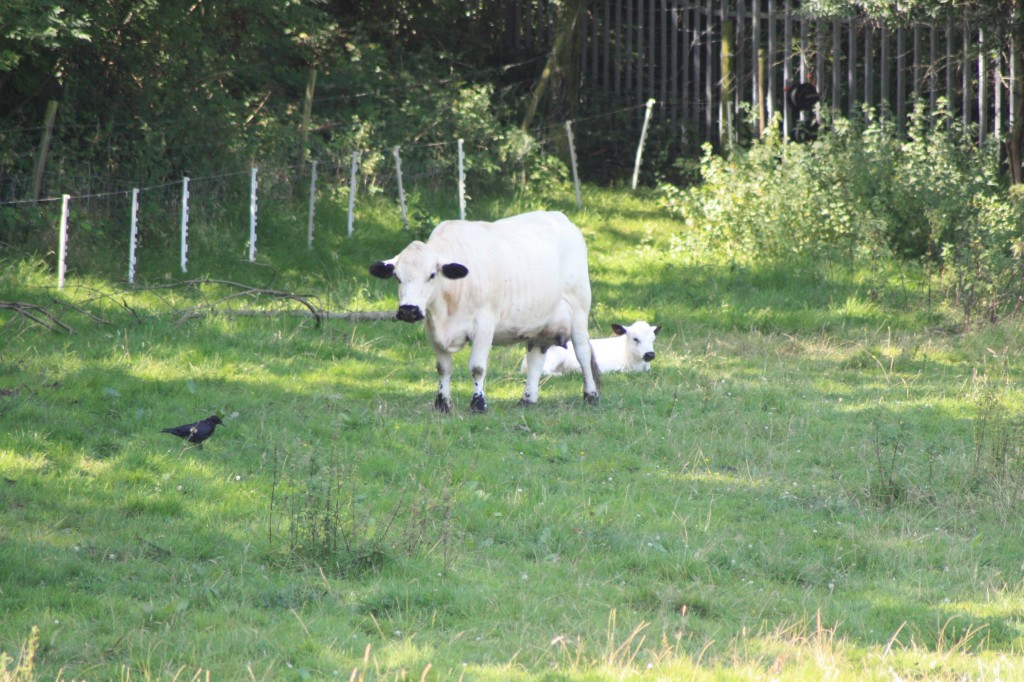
point(618, 329)
point(382, 269)
point(454, 270)
point(657, 329)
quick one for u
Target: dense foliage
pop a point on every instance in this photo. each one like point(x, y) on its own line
point(156, 90)
point(862, 190)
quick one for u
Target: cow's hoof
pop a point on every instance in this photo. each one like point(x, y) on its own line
point(442, 404)
point(478, 404)
point(523, 402)
point(591, 398)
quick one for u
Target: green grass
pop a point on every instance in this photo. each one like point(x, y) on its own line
point(817, 479)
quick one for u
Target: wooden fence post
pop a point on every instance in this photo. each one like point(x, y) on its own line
point(787, 69)
point(901, 80)
point(307, 114)
point(726, 129)
point(982, 83)
point(771, 61)
point(883, 70)
point(759, 57)
point(762, 103)
point(44, 149)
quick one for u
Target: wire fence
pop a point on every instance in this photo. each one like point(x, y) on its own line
point(108, 219)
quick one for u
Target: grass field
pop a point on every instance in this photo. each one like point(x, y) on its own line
point(821, 477)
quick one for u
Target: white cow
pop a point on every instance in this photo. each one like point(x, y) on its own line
point(523, 279)
point(630, 350)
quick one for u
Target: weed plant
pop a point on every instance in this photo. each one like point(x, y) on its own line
point(864, 191)
point(819, 478)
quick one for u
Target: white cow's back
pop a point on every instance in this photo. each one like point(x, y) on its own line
point(522, 271)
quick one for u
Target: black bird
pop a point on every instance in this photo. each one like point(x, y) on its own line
point(197, 432)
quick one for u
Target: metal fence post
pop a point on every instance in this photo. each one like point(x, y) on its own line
point(184, 224)
point(352, 193)
point(462, 183)
point(253, 184)
point(572, 158)
point(62, 247)
point(643, 139)
point(401, 188)
point(133, 240)
point(312, 206)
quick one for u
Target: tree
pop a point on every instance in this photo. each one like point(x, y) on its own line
point(560, 68)
point(152, 90)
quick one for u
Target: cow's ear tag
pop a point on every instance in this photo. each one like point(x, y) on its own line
point(454, 270)
point(382, 269)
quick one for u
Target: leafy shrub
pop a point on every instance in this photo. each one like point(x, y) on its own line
point(863, 189)
point(772, 201)
point(983, 259)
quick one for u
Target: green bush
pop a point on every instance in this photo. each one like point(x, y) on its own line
point(983, 262)
point(771, 201)
point(864, 190)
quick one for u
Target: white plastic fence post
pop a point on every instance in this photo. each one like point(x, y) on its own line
point(184, 224)
point(643, 138)
point(133, 241)
point(572, 158)
point(401, 188)
point(62, 248)
point(312, 206)
point(252, 216)
point(352, 193)
point(462, 182)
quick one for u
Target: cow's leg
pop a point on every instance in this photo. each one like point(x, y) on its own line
point(443, 402)
point(585, 355)
point(534, 368)
point(478, 367)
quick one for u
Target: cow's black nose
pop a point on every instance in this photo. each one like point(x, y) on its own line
point(409, 313)
point(649, 356)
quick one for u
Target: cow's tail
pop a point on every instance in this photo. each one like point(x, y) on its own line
point(594, 369)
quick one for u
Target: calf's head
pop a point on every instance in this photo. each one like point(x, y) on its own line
point(419, 272)
point(639, 339)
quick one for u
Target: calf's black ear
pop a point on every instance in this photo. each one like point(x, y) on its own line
point(618, 329)
point(454, 270)
point(657, 329)
point(382, 269)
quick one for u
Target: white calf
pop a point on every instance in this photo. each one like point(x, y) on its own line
point(630, 350)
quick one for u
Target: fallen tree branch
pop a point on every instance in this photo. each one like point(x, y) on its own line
point(36, 314)
point(314, 311)
point(311, 302)
point(353, 316)
point(78, 309)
